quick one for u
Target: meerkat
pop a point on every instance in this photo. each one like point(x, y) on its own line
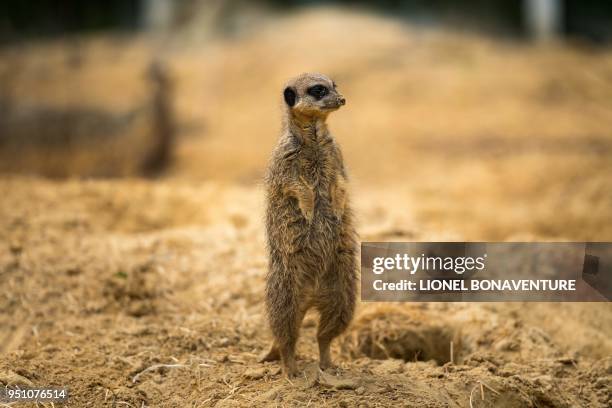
point(311, 239)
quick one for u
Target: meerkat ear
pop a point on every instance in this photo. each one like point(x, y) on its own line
point(290, 96)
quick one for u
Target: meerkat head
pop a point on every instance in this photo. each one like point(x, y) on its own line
point(312, 95)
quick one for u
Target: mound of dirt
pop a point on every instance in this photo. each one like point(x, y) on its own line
point(144, 308)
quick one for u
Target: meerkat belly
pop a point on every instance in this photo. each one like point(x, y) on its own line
point(314, 236)
point(314, 239)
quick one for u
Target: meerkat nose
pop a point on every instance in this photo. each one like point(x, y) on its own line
point(342, 100)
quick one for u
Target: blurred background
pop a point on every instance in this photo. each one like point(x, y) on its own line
point(494, 116)
point(477, 108)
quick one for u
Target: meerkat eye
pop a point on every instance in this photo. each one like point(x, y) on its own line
point(318, 91)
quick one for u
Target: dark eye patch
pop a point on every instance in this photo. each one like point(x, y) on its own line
point(317, 91)
point(290, 96)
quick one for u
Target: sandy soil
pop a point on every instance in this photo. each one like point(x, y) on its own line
point(151, 293)
point(141, 293)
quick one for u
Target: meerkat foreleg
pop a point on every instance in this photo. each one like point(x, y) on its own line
point(304, 193)
point(338, 197)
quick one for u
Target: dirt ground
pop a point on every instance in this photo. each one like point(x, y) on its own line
point(148, 292)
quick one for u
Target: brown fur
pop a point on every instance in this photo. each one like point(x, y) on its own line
point(310, 235)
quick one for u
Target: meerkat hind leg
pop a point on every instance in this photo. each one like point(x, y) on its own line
point(335, 318)
point(288, 359)
point(336, 304)
point(286, 345)
point(286, 329)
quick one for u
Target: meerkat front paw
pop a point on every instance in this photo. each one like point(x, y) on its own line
point(338, 213)
point(306, 199)
point(308, 213)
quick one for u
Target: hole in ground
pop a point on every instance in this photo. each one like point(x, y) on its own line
point(401, 336)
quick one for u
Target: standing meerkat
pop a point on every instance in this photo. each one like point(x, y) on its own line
point(310, 235)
